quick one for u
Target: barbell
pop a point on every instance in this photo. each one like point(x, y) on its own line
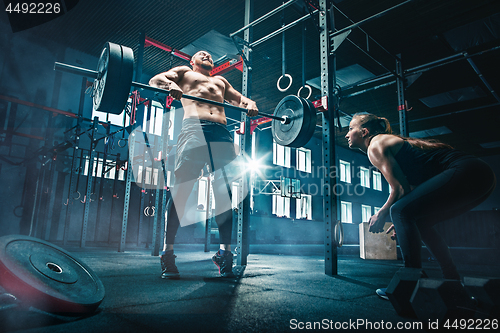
point(294, 119)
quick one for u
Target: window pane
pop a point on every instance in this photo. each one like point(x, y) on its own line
point(345, 171)
point(377, 181)
point(281, 155)
point(366, 213)
point(303, 207)
point(346, 212)
point(364, 175)
point(202, 192)
point(303, 159)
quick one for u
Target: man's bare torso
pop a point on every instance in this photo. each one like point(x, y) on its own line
point(199, 85)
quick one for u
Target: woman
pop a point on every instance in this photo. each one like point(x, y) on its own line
point(430, 182)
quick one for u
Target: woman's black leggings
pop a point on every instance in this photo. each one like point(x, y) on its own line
point(456, 190)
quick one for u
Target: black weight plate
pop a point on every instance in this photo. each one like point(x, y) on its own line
point(312, 123)
point(48, 277)
point(300, 140)
point(290, 107)
point(307, 125)
point(112, 87)
point(299, 131)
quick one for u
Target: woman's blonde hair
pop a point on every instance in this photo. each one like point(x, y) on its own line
point(380, 125)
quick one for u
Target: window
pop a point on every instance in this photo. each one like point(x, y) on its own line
point(254, 146)
point(377, 181)
point(364, 177)
point(345, 171)
point(346, 212)
point(235, 193)
point(108, 171)
point(304, 209)
point(152, 122)
point(366, 213)
point(303, 159)
point(290, 187)
point(237, 137)
point(376, 209)
point(202, 193)
point(281, 155)
point(281, 206)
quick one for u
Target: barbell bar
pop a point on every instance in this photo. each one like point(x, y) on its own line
point(96, 75)
point(294, 119)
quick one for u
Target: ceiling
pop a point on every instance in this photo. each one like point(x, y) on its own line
point(449, 51)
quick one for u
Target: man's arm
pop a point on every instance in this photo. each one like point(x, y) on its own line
point(168, 80)
point(236, 98)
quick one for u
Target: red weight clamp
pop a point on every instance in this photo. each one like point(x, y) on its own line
point(253, 125)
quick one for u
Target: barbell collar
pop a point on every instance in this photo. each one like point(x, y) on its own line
point(94, 75)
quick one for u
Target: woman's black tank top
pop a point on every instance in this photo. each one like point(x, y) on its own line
point(419, 165)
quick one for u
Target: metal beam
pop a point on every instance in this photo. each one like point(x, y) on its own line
point(486, 83)
point(246, 149)
point(368, 19)
point(282, 29)
point(328, 83)
point(403, 118)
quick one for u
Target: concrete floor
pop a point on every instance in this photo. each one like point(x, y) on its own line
point(278, 292)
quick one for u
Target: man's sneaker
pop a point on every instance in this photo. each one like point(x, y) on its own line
point(168, 268)
point(381, 293)
point(225, 264)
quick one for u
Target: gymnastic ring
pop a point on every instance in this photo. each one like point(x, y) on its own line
point(146, 211)
point(16, 210)
point(278, 83)
point(78, 197)
point(92, 197)
point(308, 87)
point(119, 145)
point(339, 227)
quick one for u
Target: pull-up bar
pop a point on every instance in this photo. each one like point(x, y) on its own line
point(286, 27)
point(262, 18)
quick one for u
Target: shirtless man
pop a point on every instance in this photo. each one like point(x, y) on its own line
point(204, 139)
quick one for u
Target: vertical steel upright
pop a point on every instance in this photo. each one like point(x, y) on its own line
point(101, 183)
point(140, 56)
point(74, 173)
point(131, 148)
point(403, 119)
point(114, 197)
point(161, 190)
point(144, 193)
point(328, 83)
point(90, 177)
point(246, 147)
point(209, 213)
point(128, 187)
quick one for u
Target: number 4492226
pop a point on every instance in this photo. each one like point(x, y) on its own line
point(34, 8)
